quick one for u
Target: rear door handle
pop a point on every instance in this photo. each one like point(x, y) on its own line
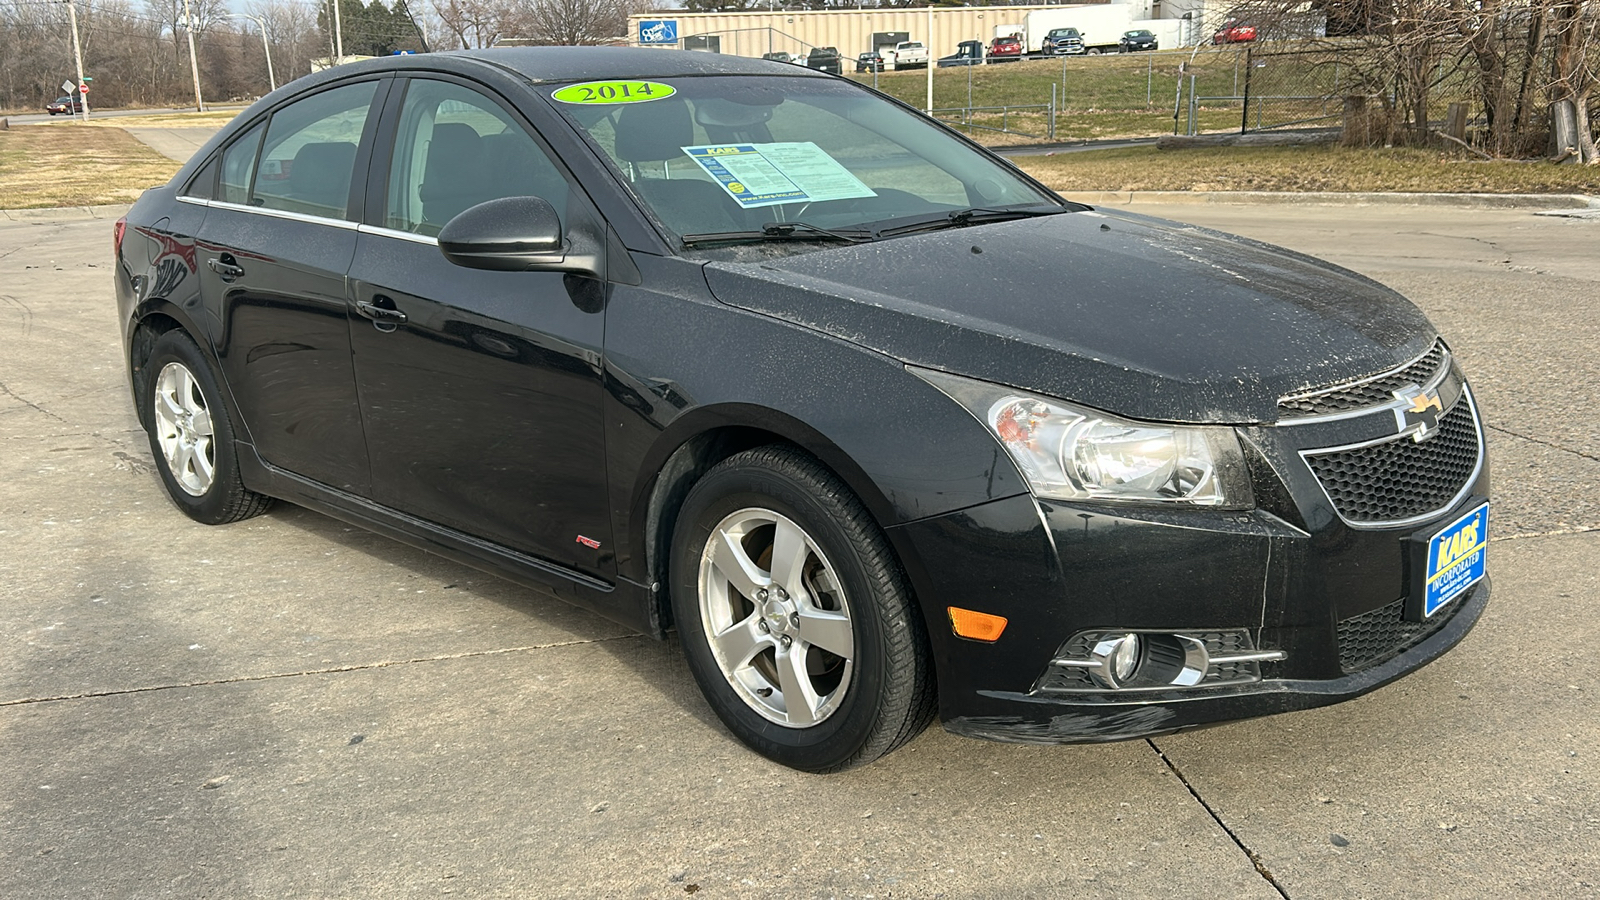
point(224, 267)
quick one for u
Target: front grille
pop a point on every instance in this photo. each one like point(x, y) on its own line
point(1402, 479)
point(1364, 394)
point(1375, 636)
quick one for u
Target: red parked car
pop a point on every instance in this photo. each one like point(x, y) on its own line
point(1234, 32)
point(1005, 49)
point(64, 106)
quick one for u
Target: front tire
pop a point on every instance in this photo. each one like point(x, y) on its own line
point(794, 616)
point(191, 435)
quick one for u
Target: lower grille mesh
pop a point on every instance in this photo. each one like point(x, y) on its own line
point(1375, 636)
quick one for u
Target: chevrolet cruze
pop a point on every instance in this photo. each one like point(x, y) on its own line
point(755, 354)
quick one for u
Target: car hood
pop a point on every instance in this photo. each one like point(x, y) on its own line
point(1124, 313)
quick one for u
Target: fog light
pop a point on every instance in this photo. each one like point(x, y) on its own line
point(1116, 659)
point(1140, 661)
point(1125, 658)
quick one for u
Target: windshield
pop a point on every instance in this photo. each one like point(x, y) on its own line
point(733, 154)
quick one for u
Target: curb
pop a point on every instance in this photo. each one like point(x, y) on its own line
point(1333, 198)
point(65, 213)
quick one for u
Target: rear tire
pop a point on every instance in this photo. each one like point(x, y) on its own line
point(191, 435)
point(795, 618)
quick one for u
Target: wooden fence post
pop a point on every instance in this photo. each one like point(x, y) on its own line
point(1357, 124)
point(1455, 121)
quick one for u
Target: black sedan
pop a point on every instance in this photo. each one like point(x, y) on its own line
point(1137, 39)
point(757, 354)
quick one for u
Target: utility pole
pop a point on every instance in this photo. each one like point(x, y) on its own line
point(77, 55)
point(338, 35)
point(930, 57)
point(194, 67)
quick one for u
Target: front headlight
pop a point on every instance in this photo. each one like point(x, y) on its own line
point(1074, 453)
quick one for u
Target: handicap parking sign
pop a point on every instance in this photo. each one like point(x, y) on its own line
point(658, 31)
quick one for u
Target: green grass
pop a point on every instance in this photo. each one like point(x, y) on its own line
point(1304, 168)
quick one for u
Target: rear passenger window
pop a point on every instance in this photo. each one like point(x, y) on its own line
point(204, 182)
point(309, 154)
point(457, 148)
point(238, 161)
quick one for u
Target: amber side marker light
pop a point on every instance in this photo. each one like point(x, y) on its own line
point(975, 625)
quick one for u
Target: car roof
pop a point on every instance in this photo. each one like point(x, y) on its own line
point(561, 64)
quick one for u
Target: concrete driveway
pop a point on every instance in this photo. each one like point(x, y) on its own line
point(291, 708)
point(173, 143)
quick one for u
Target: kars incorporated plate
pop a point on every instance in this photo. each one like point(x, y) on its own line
point(1456, 557)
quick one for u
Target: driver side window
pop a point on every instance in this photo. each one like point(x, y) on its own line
point(456, 148)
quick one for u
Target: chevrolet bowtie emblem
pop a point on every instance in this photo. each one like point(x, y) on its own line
point(1420, 416)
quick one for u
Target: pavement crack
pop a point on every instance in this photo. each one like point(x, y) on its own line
point(1255, 859)
point(1558, 532)
point(1544, 443)
point(30, 404)
point(1468, 237)
point(330, 670)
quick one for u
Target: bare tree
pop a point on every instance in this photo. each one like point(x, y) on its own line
point(573, 22)
point(1412, 55)
point(1575, 30)
point(476, 23)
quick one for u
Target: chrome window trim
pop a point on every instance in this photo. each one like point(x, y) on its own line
point(197, 201)
point(1445, 362)
point(284, 214)
point(1466, 488)
point(273, 213)
point(380, 231)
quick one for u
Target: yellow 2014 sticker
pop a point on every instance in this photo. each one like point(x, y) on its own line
point(613, 92)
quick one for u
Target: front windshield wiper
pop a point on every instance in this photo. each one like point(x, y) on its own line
point(973, 215)
point(781, 231)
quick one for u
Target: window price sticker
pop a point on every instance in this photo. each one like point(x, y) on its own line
point(769, 174)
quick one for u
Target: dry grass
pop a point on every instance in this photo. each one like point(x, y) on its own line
point(1305, 168)
point(76, 165)
point(168, 120)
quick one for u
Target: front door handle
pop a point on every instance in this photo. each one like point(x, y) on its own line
point(224, 267)
point(381, 315)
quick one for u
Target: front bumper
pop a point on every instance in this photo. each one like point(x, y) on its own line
point(1025, 719)
point(1332, 596)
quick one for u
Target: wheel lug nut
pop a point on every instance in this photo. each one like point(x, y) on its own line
point(761, 594)
point(763, 626)
point(786, 640)
point(794, 619)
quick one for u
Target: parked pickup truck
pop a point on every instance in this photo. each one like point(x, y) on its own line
point(908, 55)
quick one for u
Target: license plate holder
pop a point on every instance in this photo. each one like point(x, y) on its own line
point(1446, 562)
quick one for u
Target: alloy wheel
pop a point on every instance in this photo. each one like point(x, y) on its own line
point(776, 617)
point(184, 429)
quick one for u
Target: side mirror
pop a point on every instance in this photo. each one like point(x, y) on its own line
point(511, 234)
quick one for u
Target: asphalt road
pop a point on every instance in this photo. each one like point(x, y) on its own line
point(290, 708)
